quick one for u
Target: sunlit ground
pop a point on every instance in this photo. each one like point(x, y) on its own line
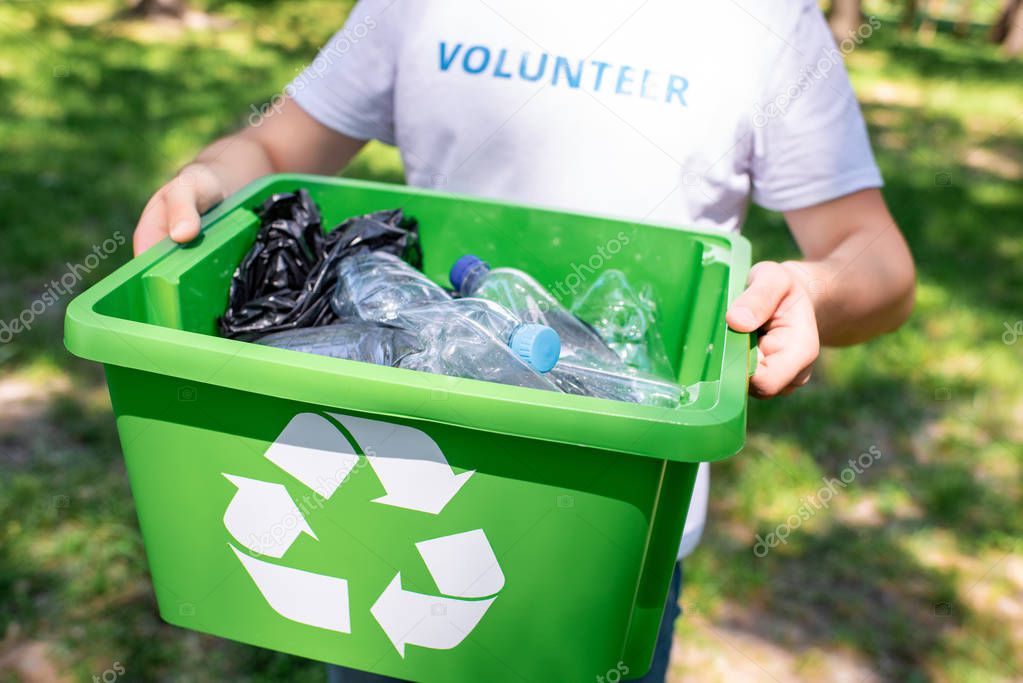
point(912, 572)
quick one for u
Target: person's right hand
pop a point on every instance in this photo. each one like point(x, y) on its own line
point(174, 210)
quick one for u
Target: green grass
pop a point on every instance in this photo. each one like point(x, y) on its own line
point(99, 113)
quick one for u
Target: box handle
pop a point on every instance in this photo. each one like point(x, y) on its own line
point(754, 354)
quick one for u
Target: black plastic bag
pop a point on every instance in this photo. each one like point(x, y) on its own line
point(286, 279)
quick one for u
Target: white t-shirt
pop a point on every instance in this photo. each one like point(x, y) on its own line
point(673, 111)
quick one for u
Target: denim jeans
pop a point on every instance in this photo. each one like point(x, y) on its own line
point(658, 671)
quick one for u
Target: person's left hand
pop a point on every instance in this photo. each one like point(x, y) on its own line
point(777, 303)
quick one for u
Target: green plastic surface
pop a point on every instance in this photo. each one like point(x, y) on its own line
point(581, 501)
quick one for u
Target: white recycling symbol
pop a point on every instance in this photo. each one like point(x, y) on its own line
point(416, 476)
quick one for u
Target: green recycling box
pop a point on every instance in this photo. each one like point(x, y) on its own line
point(424, 527)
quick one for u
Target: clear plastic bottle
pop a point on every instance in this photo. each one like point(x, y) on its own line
point(587, 365)
point(459, 346)
point(502, 323)
point(499, 336)
point(632, 387)
point(586, 378)
point(359, 340)
point(625, 318)
point(376, 285)
point(443, 342)
point(532, 303)
point(380, 287)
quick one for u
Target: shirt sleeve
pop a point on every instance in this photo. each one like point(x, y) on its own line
point(810, 140)
point(349, 87)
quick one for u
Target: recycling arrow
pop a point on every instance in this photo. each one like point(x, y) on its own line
point(428, 621)
point(299, 595)
point(263, 518)
point(409, 464)
point(463, 565)
point(312, 450)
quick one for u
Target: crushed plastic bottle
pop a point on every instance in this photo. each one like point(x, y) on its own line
point(459, 346)
point(464, 340)
point(452, 345)
point(631, 387)
point(376, 286)
point(532, 303)
point(625, 318)
point(358, 340)
point(615, 382)
point(538, 345)
point(588, 366)
point(442, 343)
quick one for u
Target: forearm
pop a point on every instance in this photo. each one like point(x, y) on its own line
point(290, 141)
point(857, 270)
point(236, 161)
point(856, 281)
point(863, 288)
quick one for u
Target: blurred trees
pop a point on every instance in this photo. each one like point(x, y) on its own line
point(150, 9)
point(845, 17)
point(1008, 29)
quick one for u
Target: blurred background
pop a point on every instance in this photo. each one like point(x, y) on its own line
point(912, 573)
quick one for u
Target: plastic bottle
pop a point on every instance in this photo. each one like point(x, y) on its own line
point(625, 318)
point(359, 340)
point(631, 387)
point(459, 346)
point(380, 287)
point(536, 345)
point(443, 342)
point(500, 322)
point(587, 366)
point(532, 303)
point(375, 286)
point(615, 383)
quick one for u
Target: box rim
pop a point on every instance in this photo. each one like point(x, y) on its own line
point(532, 413)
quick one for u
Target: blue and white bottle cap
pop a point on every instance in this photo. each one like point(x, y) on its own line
point(461, 269)
point(537, 345)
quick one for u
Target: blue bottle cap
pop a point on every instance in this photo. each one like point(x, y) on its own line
point(461, 269)
point(538, 345)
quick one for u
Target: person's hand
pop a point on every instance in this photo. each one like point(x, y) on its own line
point(174, 210)
point(777, 303)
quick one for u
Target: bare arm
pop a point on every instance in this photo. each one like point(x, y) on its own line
point(858, 268)
point(857, 281)
point(288, 141)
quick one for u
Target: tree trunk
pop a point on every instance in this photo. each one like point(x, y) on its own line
point(147, 9)
point(933, 9)
point(845, 18)
point(1013, 43)
point(1008, 30)
point(908, 15)
point(965, 21)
